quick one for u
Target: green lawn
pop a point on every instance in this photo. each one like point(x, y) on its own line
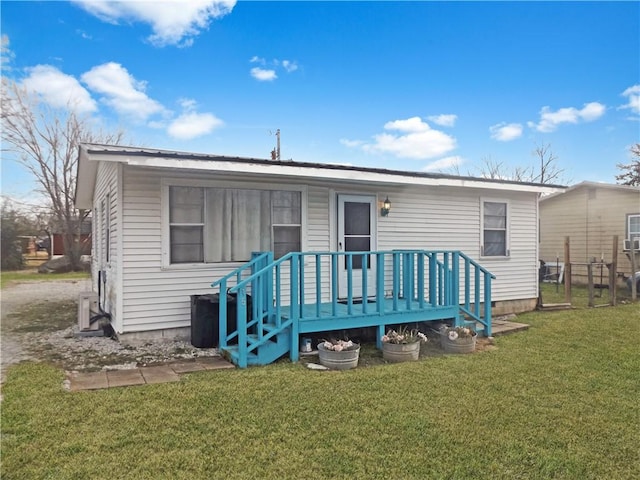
point(554, 293)
point(9, 277)
point(557, 401)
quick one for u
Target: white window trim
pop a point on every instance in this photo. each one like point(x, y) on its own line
point(508, 228)
point(182, 182)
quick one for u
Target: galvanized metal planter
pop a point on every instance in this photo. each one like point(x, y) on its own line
point(403, 352)
point(459, 345)
point(342, 360)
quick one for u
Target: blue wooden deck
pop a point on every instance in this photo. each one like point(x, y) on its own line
point(343, 316)
point(408, 286)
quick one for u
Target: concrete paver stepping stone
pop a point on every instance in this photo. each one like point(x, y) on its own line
point(124, 378)
point(186, 367)
point(159, 374)
point(214, 363)
point(89, 381)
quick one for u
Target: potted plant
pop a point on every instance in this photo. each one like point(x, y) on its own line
point(339, 354)
point(458, 339)
point(402, 345)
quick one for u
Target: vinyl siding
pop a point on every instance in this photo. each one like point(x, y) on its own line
point(106, 194)
point(158, 297)
point(590, 217)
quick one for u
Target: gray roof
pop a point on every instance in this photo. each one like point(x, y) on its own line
point(177, 155)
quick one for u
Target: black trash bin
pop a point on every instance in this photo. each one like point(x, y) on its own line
point(205, 309)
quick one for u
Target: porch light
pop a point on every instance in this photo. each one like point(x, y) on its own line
point(386, 207)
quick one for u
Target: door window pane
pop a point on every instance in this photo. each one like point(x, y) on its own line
point(357, 244)
point(357, 219)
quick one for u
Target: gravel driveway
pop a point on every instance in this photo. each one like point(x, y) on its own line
point(72, 352)
point(18, 295)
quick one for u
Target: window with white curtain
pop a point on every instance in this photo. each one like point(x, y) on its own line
point(227, 224)
point(495, 233)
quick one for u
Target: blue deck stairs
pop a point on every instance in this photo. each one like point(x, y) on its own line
point(298, 293)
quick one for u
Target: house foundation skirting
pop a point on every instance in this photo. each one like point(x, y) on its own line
point(168, 334)
point(505, 307)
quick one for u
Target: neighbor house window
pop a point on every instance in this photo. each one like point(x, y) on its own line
point(494, 229)
point(228, 224)
point(633, 226)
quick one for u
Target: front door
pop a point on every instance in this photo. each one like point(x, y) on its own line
point(356, 233)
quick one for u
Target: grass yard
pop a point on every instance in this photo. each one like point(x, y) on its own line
point(554, 293)
point(30, 274)
point(557, 401)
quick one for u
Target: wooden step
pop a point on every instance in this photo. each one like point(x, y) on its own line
point(252, 358)
point(556, 306)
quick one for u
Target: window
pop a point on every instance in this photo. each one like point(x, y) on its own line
point(104, 231)
point(107, 226)
point(494, 229)
point(208, 225)
point(633, 226)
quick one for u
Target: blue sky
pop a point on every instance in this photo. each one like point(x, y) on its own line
point(420, 86)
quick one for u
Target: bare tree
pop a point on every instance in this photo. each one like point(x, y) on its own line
point(545, 171)
point(631, 171)
point(493, 170)
point(45, 141)
point(548, 170)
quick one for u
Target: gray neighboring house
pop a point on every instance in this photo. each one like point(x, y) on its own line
point(590, 214)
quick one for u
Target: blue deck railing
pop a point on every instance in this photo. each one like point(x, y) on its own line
point(300, 291)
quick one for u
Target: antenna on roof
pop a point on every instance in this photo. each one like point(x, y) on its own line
point(275, 153)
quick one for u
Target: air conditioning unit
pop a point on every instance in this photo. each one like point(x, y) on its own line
point(627, 245)
point(87, 307)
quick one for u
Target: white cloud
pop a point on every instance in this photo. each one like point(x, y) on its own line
point(444, 120)
point(263, 75)
point(444, 164)
point(416, 140)
point(121, 91)
point(351, 143)
point(289, 66)
point(172, 22)
point(191, 124)
point(269, 73)
point(58, 89)
point(549, 121)
point(505, 132)
point(633, 94)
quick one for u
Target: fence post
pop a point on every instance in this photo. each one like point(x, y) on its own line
point(613, 273)
point(590, 281)
point(567, 270)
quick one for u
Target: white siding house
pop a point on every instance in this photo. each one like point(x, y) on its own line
point(165, 224)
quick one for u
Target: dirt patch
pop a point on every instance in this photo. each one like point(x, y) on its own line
point(39, 323)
